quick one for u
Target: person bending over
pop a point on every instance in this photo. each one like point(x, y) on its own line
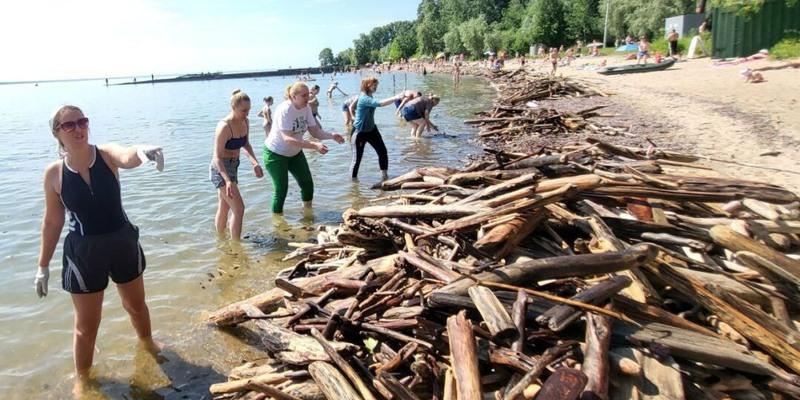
point(418, 114)
point(283, 149)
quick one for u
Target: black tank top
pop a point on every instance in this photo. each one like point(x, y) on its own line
point(95, 209)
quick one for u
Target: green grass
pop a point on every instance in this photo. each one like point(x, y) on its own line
point(787, 48)
point(661, 45)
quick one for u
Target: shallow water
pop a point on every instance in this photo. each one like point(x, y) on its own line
point(190, 271)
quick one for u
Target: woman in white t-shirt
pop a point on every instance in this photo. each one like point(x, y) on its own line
point(283, 149)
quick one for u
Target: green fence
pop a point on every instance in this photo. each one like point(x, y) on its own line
point(735, 35)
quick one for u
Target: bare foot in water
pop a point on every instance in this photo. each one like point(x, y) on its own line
point(154, 348)
point(82, 386)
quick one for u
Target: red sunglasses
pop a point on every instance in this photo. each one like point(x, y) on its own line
point(70, 126)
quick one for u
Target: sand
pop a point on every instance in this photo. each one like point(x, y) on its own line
point(710, 111)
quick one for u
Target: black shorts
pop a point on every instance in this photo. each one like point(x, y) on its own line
point(90, 260)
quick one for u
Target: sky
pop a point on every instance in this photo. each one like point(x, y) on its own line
point(57, 39)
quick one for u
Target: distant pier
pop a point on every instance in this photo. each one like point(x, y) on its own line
point(235, 75)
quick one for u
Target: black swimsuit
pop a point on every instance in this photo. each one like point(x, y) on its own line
point(101, 242)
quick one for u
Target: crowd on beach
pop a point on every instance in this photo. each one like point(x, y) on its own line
point(102, 243)
point(83, 185)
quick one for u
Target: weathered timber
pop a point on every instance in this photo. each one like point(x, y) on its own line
point(563, 384)
point(595, 358)
point(397, 389)
point(701, 348)
point(293, 348)
point(240, 385)
point(659, 379)
point(518, 317)
point(419, 211)
point(344, 366)
point(559, 267)
point(504, 238)
point(541, 363)
point(735, 242)
point(464, 357)
point(494, 314)
point(332, 383)
point(233, 314)
point(560, 316)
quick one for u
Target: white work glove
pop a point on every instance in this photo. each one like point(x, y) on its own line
point(40, 282)
point(152, 154)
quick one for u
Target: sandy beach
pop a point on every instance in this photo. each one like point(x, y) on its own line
point(710, 111)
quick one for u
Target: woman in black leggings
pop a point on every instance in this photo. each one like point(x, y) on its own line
point(364, 127)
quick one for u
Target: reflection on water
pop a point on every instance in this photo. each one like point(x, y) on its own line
point(190, 271)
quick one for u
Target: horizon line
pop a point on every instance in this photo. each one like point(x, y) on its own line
point(143, 75)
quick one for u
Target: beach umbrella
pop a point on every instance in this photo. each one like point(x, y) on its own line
point(628, 47)
point(594, 44)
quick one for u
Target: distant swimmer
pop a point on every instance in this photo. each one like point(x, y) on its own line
point(365, 130)
point(644, 50)
point(231, 135)
point(404, 97)
point(554, 59)
point(102, 242)
point(313, 102)
point(283, 149)
point(418, 113)
point(334, 86)
point(346, 114)
point(266, 114)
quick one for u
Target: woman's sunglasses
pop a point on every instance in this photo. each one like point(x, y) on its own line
point(70, 126)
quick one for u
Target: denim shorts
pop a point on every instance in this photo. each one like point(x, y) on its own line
point(231, 167)
point(410, 114)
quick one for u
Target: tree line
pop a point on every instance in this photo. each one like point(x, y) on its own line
point(474, 27)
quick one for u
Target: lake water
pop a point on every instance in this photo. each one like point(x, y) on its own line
point(189, 270)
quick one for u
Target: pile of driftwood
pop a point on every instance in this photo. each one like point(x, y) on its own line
point(519, 86)
point(596, 272)
point(506, 121)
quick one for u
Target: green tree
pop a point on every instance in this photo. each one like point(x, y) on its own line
point(430, 28)
point(512, 15)
point(326, 57)
point(452, 41)
point(407, 44)
point(361, 50)
point(473, 34)
point(345, 57)
point(642, 17)
point(745, 7)
point(545, 22)
point(395, 52)
point(583, 19)
point(493, 40)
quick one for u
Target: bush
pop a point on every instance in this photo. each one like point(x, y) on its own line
point(788, 47)
point(661, 45)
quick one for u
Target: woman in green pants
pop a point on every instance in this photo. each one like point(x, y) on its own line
point(283, 149)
